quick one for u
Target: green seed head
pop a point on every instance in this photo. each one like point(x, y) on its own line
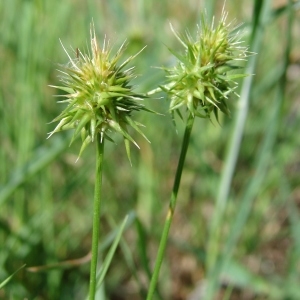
point(202, 79)
point(99, 95)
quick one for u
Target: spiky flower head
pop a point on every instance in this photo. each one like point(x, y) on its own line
point(202, 80)
point(99, 95)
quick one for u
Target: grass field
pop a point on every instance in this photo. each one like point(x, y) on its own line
point(236, 229)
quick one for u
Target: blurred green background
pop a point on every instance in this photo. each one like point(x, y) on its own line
point(46, 198)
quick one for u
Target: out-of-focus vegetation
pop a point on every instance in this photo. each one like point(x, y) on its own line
point(46, 198)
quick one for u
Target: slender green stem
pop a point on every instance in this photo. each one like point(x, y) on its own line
point(264, 154)
point(172, 204)
point(96, 217)
point(213, 264)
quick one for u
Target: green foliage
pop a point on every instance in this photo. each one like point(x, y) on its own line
point(46, 199)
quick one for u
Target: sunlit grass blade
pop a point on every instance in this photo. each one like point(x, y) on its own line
point(261, 165)
point(108, 259)
point(4, 282)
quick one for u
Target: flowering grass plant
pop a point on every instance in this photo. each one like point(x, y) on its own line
point(100, 101)
point(201, 82)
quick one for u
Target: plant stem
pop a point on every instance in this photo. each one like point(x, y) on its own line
point(215, 255)
point(172, 204)
point(96, 216)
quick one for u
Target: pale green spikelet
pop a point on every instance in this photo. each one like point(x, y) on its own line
point(202, 80)
point(99, 95)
